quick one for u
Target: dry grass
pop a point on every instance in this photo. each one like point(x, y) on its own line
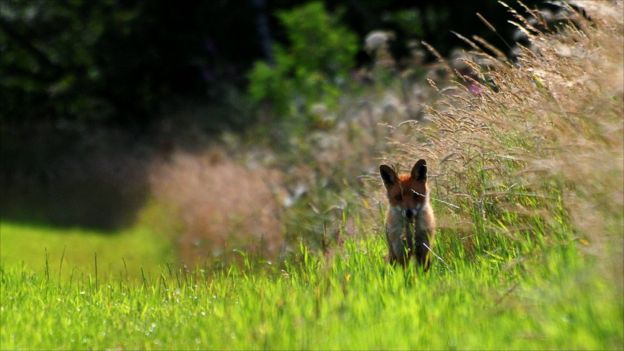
point(222, 206)
point(553, 120)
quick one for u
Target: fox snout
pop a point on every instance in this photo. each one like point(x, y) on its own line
point(411, 213)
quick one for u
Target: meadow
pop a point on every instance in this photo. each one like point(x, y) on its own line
point(37, 246)
point(526, 183)
point(550, 299)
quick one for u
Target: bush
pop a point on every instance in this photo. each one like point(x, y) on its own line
point(312, 67)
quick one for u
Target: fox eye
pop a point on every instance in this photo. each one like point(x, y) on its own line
point(399, 197)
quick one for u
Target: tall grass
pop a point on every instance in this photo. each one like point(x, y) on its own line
point(544, 131)
point(222, 206)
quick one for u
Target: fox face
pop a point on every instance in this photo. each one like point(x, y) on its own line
point(406, 191)
point(410, 222)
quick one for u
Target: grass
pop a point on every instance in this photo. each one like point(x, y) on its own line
point(70, 251)
point(527, 187)
point(540, 292)
point(353, 301)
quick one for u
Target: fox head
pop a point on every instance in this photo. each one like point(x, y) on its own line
point(407, 192)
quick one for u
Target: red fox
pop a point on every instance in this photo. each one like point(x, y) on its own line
point(410, 223)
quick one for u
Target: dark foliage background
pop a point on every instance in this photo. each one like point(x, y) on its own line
point(123, 63)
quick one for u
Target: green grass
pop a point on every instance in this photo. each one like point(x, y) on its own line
point(497, 288)
point(543, 298)
point(73, 251)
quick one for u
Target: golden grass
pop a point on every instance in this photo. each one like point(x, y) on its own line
point(554, 119)
point(224, 207)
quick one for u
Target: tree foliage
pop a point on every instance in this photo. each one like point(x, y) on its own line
point(117, 62)
point(313, 65)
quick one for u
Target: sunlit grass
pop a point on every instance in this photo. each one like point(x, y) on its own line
point(353, 301)
point(71, 251)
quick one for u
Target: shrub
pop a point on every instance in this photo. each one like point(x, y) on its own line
point(313, 66)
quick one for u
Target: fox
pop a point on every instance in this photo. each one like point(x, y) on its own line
point(410, 222)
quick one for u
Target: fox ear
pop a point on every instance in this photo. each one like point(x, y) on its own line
point(388, 175)
point(419, 172)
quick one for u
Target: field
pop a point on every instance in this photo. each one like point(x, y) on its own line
point(551, 299)
point(526, 182)
point(66, 250)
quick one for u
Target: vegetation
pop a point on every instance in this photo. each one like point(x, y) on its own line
point(353, 301)
point(82, 63)
point(127, 252)
point(526, 164)
point(315, 65)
